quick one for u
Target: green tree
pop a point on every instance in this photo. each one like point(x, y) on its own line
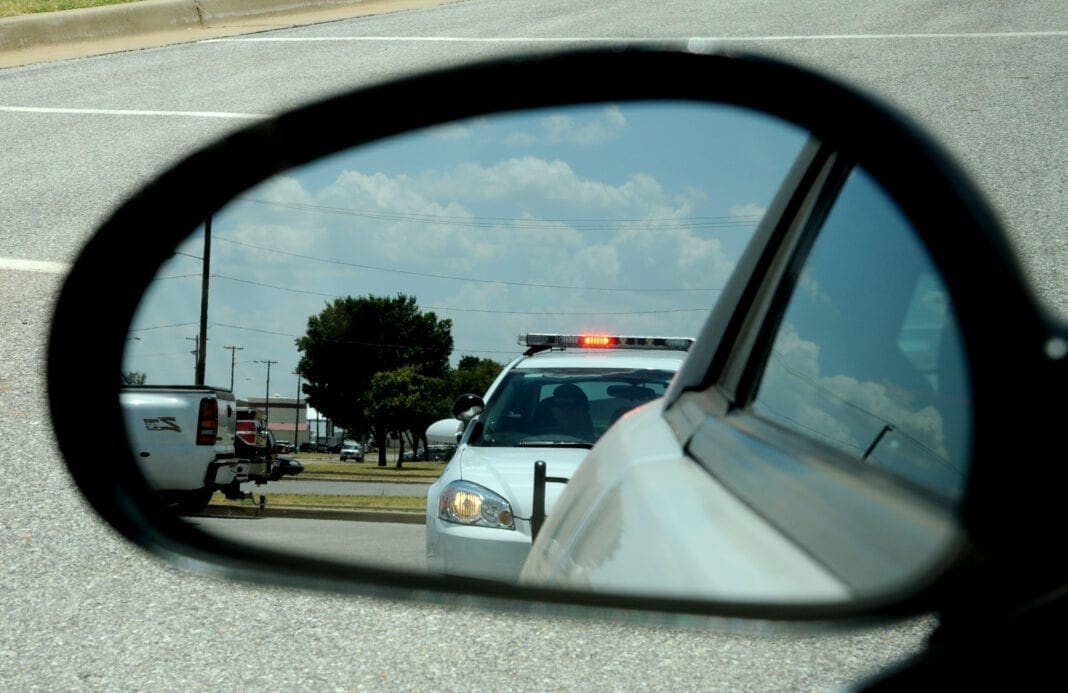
point(403, 401)
point(134, 378)
point(351, 340)
point(474, 374)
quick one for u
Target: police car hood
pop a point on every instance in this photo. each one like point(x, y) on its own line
point(510, 472)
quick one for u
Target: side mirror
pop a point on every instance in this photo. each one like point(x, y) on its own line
point(467, 407)
point(641, 188)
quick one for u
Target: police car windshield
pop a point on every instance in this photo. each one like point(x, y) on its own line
point(564, 406)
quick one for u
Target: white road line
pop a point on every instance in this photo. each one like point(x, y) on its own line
point(605, 39)
point(40, 266)
point(120, 112)
point(696, 43)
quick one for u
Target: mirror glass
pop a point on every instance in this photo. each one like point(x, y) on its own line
point(290, 376)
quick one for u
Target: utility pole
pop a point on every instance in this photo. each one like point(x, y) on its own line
point(202, 344)
point(296, 416)
point(233, 355)
point(196, 355)
point(267, 398)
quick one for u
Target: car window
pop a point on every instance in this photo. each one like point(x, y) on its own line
point(565, 403)
point(868, 357)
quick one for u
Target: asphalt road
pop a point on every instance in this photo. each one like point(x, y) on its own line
point(83, 609)
point(375, 544)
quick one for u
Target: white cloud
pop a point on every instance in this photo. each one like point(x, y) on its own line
point(598, 261)
point(452, 132)
point(538, 182)
point(520, 139)
point(524, 221)
point(584, 131)
point(747, 211)
point(840, 407)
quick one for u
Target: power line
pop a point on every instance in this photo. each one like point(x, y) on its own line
point(378, 345)
point(393, 270)
point(178, 276)
point(578, 223)
point(476, 310)
point(161, 327)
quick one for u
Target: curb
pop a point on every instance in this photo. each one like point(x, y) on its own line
point(140, 17)
point(183, 20)
point(298, 513)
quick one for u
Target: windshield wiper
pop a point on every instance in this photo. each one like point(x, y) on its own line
point(554, 444)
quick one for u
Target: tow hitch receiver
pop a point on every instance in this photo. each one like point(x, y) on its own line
point(233, 491)
point(537, 517)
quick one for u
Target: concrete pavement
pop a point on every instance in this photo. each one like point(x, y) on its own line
point(48, 36)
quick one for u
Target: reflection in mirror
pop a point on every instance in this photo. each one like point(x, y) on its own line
point(291, 374)
point(869, 358)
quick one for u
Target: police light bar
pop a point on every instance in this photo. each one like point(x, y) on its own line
point(602, 341)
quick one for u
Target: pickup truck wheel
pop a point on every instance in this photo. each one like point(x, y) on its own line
point(192, 502)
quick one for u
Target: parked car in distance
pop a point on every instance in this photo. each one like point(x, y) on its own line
point(351, 450)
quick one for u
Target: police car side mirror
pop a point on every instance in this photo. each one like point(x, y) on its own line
point(467, 407)
point(386, 255)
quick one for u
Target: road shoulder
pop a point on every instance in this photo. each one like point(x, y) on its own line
point(50, 36)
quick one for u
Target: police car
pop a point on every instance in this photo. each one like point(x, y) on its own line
point(526, 438)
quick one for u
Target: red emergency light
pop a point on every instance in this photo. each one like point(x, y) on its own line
point(595, 341)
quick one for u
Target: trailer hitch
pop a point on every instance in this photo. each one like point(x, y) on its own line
point(537, 518)
point(233, 491)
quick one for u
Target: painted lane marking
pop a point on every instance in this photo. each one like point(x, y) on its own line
point(40, 266)
point(120, 112)
point(615, 40)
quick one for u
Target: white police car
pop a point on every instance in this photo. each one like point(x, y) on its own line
point(548, 406)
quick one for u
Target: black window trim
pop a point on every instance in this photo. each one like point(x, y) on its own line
point(748, 359)
point(759, 288)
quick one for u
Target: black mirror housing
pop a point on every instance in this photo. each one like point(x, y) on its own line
point(467, 407)
point(1001, 323)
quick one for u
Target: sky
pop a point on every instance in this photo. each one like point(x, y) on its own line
point(610, 218)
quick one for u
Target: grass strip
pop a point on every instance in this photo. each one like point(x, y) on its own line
point(332, 502)
point(13, 8)
point(424, 471)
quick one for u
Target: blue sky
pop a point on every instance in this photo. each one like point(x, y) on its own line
point(619, 218)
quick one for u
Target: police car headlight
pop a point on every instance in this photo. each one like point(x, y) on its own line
point(470, 504)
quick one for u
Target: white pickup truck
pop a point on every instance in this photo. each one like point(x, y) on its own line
point(183, 436)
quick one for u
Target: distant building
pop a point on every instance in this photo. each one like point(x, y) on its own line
point(289, 419)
